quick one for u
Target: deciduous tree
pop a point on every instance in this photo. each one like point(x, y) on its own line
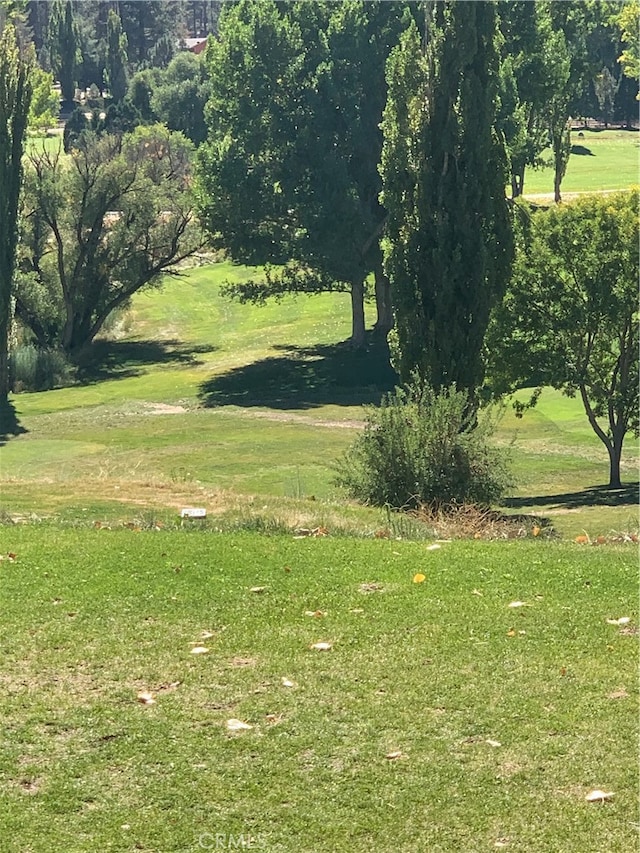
point(570, 316)
point(289, 173)
point(100, 224)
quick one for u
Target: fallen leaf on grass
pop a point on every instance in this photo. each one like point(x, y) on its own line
point(501, 842)
point(356, 610)
point(476, 592)
point(419, 578)
point(433, 547)
point(317, 613)
point(206, 635)
point(286, 682)
point(493, 742)
point(620, 693)
point(393, 756)
point(582, 540)
point(257, 589)
point(199, 650)
point(274, 719)
point(234, 725)
point(598, 796)
point(145, 697)
point(10, 556)
point(623, 620)
point(535, 531)
point(321, 647)
point(517, 604)
point(511, 633)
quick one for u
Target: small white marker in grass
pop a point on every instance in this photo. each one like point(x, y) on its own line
point(193, 512)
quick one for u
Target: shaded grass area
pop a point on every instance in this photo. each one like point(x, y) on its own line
point(504, 718)
point(306, 377)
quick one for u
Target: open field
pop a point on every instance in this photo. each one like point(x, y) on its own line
point(443, 718)
point(202, 401)
point(600, 160)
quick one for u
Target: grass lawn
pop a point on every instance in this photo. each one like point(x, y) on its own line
point(600, 160)
point(202, 401)
point(441, 719)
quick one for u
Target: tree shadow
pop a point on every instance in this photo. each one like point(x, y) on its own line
point(593, 496)
point(124, 359)
point(582, 150)
point(307, 377)
point(10, 425)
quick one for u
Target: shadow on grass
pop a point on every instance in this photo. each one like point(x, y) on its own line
point(10, 425)
point(305, 377)
point(582, 150)
point(124, 359)
point(593, 496)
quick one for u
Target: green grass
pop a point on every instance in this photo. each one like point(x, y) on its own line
point(262, 403)
point(432, 670)
point(601, 160)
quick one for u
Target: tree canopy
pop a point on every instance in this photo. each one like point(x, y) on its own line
point(99, 225)
point(289, 173)
point(448, 247)
point(570, 316)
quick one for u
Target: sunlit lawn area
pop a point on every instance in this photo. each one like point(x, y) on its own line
point(473, 710)
point(600, 160)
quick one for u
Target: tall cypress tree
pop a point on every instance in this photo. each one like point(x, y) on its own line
point(15, 97)
point(63, 46)
point(449, 242)
point(116, 70)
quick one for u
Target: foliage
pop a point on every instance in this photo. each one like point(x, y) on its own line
point(116, 59)
point(100, 225)
point(15, 99)
point(627, 20)
point(45, 103)
point(64, 46)
point(34, 369)
point(423, 447)
point(289, 172)
point(448, 241)
point(180, 94)
point(571, 313)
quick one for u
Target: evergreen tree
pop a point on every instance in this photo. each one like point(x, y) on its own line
point(15, 98)
point(116, 70)
point(63, 46)
point(449, 241)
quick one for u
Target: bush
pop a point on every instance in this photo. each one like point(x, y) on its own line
point(35, 369)
point(420, 447)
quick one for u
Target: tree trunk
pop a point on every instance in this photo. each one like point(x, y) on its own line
point(384, 321)
point(357, 314)
point(615, 454)
point(4, 361)
point(557, 180)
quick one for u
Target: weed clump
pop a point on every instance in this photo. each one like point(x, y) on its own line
point(422, 447)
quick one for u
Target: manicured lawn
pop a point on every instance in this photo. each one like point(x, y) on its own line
point(601, 160)
point(440, 719)
point(202, 401)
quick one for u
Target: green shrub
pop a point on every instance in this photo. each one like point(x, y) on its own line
point(34, 369)
point(420, 447)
